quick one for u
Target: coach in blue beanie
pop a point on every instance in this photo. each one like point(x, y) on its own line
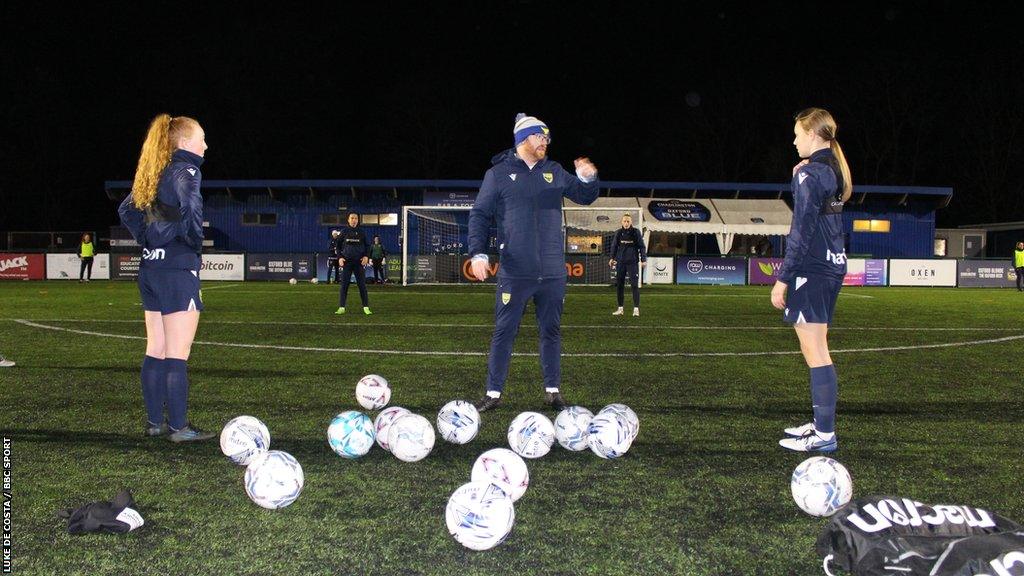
point(526, 125)
point(521, 197)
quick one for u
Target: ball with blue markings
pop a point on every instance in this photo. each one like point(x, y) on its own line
point(243, 439)
point(351, 434)
point(458, 421)
point(571, 427)
point(480, 515)
point(274, 479)
point(821, 486)
point(609, 435)
point(531, 435)
point(627, 414)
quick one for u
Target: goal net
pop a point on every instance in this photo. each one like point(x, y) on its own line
point(435, 243)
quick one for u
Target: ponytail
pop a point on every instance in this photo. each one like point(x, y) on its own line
point(844, 168)
point(161, 141)
point(819, 121)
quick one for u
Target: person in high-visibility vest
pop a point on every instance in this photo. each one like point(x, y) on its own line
point(1018, 265)
point(86, 252)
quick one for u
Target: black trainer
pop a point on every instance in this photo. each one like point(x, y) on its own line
point(487, 403)
point(555, 400)
point(156, 430)
point(189, 434)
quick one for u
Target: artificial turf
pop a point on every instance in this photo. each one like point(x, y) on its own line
point(925, 411)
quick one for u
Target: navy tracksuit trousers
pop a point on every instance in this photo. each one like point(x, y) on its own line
point(510, 303)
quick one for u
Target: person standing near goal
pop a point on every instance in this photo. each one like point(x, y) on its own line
point(628, 256)
point(521, 195)
point(354, 249)
point(812, 273)
point(164, 213)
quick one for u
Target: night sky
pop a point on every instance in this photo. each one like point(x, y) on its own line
point(928, 94)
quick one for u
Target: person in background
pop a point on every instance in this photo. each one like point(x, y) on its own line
point(334, 253)
point(353, 260)
point(164, 213)
point(1018, 265)
point(628, 256)
point(812, 273)
point(377, 256)
point(86, 252)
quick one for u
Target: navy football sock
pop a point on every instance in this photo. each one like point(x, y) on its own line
point(824, 390)
point(153, 387)
point(177, 392)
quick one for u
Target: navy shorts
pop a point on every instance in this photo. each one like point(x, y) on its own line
point(169, 290)
point(811, 299)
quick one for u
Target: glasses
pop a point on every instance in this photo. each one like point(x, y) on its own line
point(542, 137)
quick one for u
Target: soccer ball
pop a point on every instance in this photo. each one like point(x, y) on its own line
point(821, 486)
point(293, 281)
point(350, 434)
point(383, 424)
point(609, 435)
point(479, 515)
point(244, 438)
point(314, 280)
point(571, 427)
point(411, 437)
point(372, 392)
point(458, 422)
point(504, 468)
point(274, 479)
point(627, 414)
point(531, 435)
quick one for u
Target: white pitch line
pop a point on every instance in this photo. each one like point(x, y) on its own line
point(332, 325)
point(567, 355)
point(570, 294)
point(219, 286)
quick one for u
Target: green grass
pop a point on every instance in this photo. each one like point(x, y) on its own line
point(703, 491)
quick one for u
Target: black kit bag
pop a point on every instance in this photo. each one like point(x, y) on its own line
point(890, 535)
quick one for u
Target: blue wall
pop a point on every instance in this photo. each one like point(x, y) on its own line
point(911, 233)
point(298, 227)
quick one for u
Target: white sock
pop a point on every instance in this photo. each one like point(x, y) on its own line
point(619, 308)
point(825, 435)
point(494, 394)
point(552, 390)
point(636, 309)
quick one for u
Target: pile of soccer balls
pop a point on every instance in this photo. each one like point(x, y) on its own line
point(480, 514)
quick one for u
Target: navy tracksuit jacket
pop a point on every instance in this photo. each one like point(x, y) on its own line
point(525, 205)
point(815, 245)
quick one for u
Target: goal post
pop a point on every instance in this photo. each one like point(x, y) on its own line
point(435, 243)
point(589, 232)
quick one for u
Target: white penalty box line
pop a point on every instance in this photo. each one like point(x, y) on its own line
point(566, 354)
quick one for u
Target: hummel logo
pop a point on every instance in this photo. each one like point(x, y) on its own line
point(191, 171)
point(513, 177)
point(800, 179)
point(800, 282)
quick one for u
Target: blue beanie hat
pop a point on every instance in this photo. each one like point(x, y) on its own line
point(526, 125)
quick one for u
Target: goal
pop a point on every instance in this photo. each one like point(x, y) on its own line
point(435, 243)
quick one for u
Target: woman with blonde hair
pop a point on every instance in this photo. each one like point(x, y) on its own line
point(628, 256)
point(813, 270)
point(164, 213)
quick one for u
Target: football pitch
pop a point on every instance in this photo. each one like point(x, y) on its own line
point(930, 403)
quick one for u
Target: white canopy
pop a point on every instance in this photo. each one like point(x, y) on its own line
point(722, 217)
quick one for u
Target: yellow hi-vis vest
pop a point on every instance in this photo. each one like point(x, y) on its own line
point(1018, 258)
point(88, 251)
